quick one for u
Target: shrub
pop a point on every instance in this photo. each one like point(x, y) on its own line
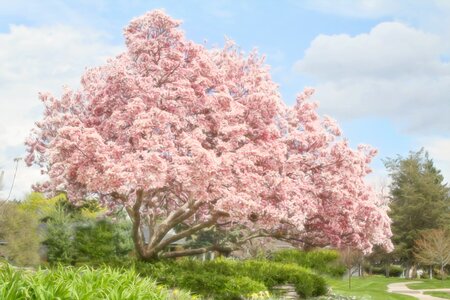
point(394, 270)
point(271, 273)
point(59, 241)
point(214, 278)
point(102, 240)
point(201, 278)
point(74, 238)
point(21, 232)
point(220, 286)
point(80, 283)
point(322, 261)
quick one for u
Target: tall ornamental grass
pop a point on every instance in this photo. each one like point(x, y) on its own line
point(83, 283)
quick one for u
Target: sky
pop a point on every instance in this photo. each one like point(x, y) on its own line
point(381, 68)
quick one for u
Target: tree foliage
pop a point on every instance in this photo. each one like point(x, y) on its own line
point(419, 200)
point(102, 240)
point(433, 248)
point(85, 234)
point(179, 134)
point(20, 231)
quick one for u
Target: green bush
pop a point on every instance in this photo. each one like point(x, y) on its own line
point(394, 270)
point(80, 283)
point(220, 286)
point(322, 261)
point(59, 239)
point(102, 240)
point(207, 282)
point(72, 238)
point(20, 230)
point(272, 273)
point(226, 278)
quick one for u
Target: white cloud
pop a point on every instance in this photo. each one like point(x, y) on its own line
point(439, 150)
point(393, 71)
point(33, 60)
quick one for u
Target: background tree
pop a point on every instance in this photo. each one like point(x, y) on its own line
point(350, 258)
point(179, 134)
point(433, 248)
point(380, 261)
point(84, 233)
point(419, 200)
point(20, 231)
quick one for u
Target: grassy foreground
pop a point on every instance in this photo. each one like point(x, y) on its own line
point(443, 295)
point(83, 283)
point(430, 284)
point(368, 288)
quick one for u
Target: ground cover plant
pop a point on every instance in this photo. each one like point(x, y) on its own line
point(83, 283)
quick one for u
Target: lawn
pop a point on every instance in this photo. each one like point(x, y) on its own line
point(444, 295)
point(370, 287)
point(430, 284)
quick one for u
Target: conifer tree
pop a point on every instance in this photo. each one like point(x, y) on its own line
point(419, 200)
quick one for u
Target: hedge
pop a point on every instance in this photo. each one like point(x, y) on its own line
point(322, 261)
point(231, 279)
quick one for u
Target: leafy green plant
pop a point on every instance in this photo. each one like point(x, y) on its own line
point(213, 278)
point(21, 232)
point(59, 238)
point(102, 240)
point(80, 283)
point(322, 261)
point(394, 270)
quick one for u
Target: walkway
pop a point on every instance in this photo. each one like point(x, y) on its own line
point(402, 288)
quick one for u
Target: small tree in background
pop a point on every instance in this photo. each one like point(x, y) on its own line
point(433, 248)
point(350, 258)
point(20, 230)
point(59, 238)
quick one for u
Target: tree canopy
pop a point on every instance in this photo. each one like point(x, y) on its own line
point(180, 134)
point(419, 200)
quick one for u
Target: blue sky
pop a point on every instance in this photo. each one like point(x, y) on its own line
point(379, 67)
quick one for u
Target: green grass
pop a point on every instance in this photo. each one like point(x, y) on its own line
point(445, 295)
point(371, 287)
point(430, 284)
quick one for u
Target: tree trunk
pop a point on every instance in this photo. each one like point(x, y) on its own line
point(431, 272)
point(350, 278)
point(407, 271)
point(150, 245)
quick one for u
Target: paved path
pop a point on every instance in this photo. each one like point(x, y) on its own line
point(402, 288)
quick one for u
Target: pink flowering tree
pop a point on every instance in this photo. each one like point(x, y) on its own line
point(175, 134)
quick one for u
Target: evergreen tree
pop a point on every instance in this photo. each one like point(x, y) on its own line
point(419, 200)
